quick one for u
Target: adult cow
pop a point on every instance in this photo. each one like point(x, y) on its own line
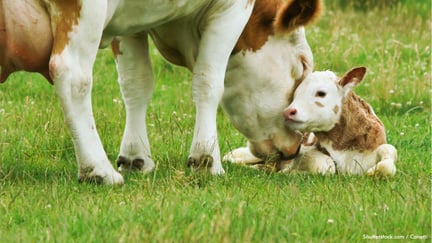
point(258, 47)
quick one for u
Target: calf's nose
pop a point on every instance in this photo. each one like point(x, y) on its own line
point(290, 113)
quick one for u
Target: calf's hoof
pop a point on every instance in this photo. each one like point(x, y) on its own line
point(385, 168)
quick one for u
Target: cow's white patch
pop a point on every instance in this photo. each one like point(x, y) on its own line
point(130, 17)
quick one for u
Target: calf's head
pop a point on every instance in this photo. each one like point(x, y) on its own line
point(271, 57)
point(317, 103)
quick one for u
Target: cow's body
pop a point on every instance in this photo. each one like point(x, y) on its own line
point(60, 39)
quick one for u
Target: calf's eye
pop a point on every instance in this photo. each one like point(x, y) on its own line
point(320, 94)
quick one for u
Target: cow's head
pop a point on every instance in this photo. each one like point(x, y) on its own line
point(271, 57)
point(318, 100)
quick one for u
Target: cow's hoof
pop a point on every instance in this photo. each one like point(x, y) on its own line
point(205, 163)
point(125, 165)
point(99, 176)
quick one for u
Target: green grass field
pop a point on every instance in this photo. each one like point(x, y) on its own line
point(42, 201)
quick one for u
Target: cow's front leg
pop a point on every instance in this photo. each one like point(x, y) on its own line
point(77, 29)
point(218, 40)
point(136, 83)
point(207, 91)
point(385, 167)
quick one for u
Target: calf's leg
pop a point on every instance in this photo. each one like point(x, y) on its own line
point(311, 160)
point(385, 167)
point(241, 156)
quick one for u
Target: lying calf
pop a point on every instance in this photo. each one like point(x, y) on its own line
point(346, 126)
point(350, 137)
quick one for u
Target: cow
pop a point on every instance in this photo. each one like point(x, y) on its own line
point(246, 55)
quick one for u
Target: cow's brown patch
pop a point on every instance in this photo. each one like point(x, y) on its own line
point(68, 13)
point(270, 16)
point(259, 26)
point(263, 149)
point(319, 104)
point(359, 128)
point(3, 73)
point(115, 47)
point(288, 153)
point(25, 37)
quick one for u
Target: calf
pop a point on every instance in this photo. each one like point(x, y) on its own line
point(247, 55)
point(346, 127)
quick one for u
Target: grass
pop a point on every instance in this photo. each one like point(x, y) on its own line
point(41, 200)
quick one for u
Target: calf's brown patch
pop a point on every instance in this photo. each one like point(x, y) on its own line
point(319, 104)
point(359, 128)
point(336, 109)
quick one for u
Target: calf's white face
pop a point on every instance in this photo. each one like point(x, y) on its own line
point(317, 103)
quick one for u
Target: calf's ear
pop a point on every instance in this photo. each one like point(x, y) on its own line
point(352, 78)
point(296, 13)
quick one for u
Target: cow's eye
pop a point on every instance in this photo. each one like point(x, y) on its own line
point(320, 94)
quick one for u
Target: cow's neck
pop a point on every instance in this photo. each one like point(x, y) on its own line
point(358, 127)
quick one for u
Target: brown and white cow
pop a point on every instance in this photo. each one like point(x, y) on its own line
point(246, 54)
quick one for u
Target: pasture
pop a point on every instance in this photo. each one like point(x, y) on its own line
point(42, 201)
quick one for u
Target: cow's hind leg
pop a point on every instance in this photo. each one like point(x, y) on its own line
point(218, 40)
point(77, 32)
point(136, 83)
point(385, 167)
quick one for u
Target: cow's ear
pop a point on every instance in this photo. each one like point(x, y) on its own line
point(296, 13)
point(352, 78)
